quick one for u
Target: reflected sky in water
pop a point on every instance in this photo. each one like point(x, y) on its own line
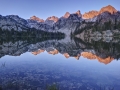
point(35, 71)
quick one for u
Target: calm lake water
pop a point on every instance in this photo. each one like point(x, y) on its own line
point(69, 64)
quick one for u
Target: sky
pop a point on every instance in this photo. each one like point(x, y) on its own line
point(47, 8)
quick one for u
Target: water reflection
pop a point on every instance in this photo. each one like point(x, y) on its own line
point(103, 51)
point(92, 56)
point(88, 55)
point(71, 63)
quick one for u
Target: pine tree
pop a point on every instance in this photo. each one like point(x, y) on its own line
point(115, 26)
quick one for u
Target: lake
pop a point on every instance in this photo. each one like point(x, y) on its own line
point(68, 64)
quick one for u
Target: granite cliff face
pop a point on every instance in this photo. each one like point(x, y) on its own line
point(51, 21)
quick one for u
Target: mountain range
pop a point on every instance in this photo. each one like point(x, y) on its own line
point(67, 24)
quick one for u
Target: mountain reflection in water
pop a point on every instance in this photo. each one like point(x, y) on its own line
point(87, 55)
point(104, 52)
point(39, 62)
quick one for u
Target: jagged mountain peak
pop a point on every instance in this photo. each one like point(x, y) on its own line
point(109, 9)
point(53, 18)
point(36, 19)
point(94, 13)
point(90, 14)
point(78, 13)
point(67, 14)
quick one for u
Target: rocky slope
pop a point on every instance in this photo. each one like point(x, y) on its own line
point(11, 22)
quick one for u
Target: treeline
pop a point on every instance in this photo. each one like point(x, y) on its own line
point(88, 26)
point(107, 49)
point(30, 40)
point(30, 33)
point(106, 26)
point(98, 26)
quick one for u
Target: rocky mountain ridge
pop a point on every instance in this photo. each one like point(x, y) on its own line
point(66, 24)
point(93, 13)
point(14, 22)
